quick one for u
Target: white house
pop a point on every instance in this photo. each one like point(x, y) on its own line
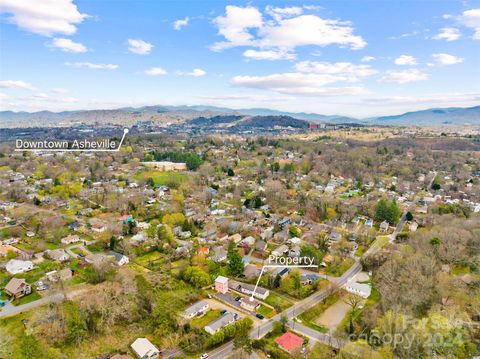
point(119, 258)
point(71, 239)
point(15, 266)
point(219, 323)
point(280, 251)
point(57, 255)
point(249, 241)
point(144, 349)
point(196, 309)
point(361, 289)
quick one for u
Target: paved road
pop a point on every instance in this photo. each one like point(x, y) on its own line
point(9, 309)
point(316, 335)
point(309, 302)
point(290, 313)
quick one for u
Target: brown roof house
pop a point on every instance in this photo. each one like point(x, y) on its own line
point(17, 287)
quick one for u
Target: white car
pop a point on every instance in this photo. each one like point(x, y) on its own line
point(204, 356)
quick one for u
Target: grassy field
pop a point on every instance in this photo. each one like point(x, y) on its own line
point(380, 241)
point(78, 251)
point(149, 258)
point(277, 302)
point(314, 326)
point(266, 311)
point(201, 322)
point(39, 271)
point(338, 269)
point(161, 178)
point(27, 299)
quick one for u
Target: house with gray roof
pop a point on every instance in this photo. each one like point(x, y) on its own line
point(196, 309)
point(220, 323)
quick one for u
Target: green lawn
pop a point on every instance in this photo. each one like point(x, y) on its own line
point(380, 241)
point(277, 302)
point(457, 270)
point(94, 248)
point(78, 251)
point(149, 258)
point(337, 269)
point(316, 327)
point(39, 271)
point(27, 299)
point(161, 178)
point(201, 322)
point(266, 311)
point(360, 250)
point(51, 245)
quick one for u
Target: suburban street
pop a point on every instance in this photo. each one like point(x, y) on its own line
point(301, 306)
point(290, 313)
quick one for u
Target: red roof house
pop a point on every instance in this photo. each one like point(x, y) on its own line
point(203, 250)
point(289, 342)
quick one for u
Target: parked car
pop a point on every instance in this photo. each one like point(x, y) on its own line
point(237, 299)
point(209, 296)
point(222, 312)
point(80, 255)
point(204, 356)
point(259, 316)
point(42, 287)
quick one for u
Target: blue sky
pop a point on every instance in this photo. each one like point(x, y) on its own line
point(350, 57)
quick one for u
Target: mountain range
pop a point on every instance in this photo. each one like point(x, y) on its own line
point(201, 115)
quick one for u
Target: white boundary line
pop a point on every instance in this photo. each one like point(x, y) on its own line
point(278, 266)
point(125, 131)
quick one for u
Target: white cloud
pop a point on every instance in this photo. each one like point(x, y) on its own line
point(269, 55)
point(177, 25)
point(16, 84)
point(405, 60)
point(139, 47)
point(402, 77)
point(279, 13)
point(296, 83)
point(448, 34)
point(345, 71)
point(367, 59)
point(89, 65)
point(155, 71)
point(471, 19)
point(288, 30)
point(234, 26)
point(309, 30)
point(311, 79)
point(447, 59)
point(194, 73)
point(67, 45)
point(46, 17)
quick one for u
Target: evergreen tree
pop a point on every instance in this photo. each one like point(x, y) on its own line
point(235, 263)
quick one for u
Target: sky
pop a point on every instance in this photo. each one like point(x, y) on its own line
point(360, 58)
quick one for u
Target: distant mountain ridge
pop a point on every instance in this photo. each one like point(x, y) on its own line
point(210, 115)
point(435, 116)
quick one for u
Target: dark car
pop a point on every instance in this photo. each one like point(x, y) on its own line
point(237, 299)
point(223, 312)
point(81, 255)
point(259, 316)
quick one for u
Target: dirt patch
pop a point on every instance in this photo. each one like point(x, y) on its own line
point(334, 315)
